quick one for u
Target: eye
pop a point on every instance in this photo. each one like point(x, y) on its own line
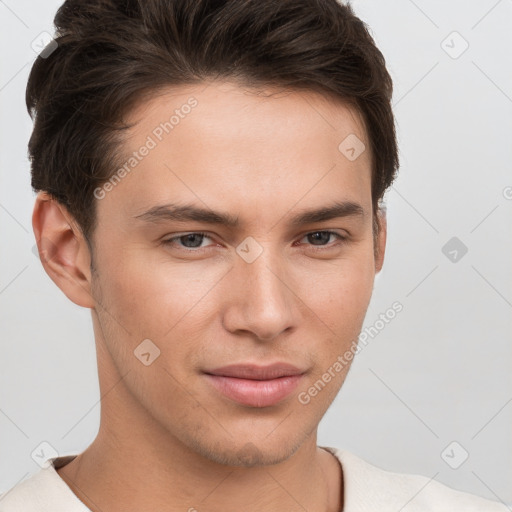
point(190, 241)
point(321, 238)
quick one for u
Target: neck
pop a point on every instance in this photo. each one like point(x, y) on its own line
point(142, 475)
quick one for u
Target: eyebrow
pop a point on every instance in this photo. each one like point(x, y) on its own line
point(184, 213)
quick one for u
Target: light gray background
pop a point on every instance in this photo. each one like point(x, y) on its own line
point(439, 372)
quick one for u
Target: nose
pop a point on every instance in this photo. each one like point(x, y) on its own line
point(261, 299)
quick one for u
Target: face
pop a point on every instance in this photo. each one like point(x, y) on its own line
point(241, 235)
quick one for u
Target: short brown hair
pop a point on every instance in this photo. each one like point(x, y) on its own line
point(110, 54)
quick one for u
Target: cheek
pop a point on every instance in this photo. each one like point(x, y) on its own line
point(338, 299)
point(152, 298)
point(339, 292)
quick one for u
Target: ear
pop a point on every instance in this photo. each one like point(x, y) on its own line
point(63, 250)
point(380, 241)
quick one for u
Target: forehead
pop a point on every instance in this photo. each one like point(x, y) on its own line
point(222, 143)
point(224, 108)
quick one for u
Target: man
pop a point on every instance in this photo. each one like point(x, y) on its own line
point(210, 177)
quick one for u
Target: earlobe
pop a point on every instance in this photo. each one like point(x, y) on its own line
point(381, 241)
point(63, 251)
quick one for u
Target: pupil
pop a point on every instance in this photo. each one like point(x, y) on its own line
point(321, 236)
point(190, 238)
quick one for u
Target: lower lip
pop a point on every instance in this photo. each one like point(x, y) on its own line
point(255, 393)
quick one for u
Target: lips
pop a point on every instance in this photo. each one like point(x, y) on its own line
point(255, 386)
point(254, 372)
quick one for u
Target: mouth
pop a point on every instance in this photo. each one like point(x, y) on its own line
point(255, 386)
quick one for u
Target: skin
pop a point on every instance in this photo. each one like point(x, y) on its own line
point(167, 439)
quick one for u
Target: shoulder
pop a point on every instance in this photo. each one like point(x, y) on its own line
point(43, 491)
point(369, 488)
point(30, 494)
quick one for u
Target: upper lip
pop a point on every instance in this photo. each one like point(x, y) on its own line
point(255, 372)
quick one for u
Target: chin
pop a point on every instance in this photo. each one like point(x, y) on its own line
point(246, 453)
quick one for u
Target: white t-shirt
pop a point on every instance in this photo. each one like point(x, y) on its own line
point(367, 488)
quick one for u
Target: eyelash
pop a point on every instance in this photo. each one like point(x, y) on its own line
point(341, 240)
